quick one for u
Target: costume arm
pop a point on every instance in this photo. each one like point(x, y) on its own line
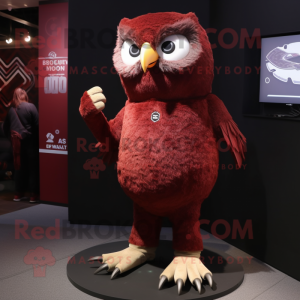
point(224, 126)
point(106, 132)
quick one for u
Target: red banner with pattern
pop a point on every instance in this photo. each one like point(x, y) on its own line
point(53, 101)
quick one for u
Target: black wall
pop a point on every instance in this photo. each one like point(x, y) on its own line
point(266, 192)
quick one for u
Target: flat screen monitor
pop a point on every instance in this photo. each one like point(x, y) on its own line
point(280, 69)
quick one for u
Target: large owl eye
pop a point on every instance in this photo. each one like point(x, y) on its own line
point(134, 50)
point(174, 47)
point(130, 53)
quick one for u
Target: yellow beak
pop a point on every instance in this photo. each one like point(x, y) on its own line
point(149, 56)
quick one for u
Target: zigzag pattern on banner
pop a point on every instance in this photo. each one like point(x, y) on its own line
point(8, 72)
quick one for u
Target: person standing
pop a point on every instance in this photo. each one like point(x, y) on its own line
point(21, 125)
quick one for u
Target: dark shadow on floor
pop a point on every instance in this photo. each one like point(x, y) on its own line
point(7, 205)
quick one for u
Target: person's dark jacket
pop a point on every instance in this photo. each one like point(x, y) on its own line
point(28, 116)
point(21, 123)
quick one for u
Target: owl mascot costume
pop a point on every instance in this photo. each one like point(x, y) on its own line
point(165, 138)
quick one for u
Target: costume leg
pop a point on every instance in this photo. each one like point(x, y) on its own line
point(187, 243)
point(186, 228)
point(142, 245)
point(146, 228)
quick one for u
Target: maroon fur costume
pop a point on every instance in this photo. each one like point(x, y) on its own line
point(170, 166)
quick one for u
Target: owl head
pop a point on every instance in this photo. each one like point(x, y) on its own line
point(163, 56)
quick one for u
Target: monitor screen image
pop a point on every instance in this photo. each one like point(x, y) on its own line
point(280, 69)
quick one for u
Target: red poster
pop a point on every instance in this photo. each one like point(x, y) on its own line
point(53, 101)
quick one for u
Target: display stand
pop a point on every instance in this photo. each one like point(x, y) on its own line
point(142, 281)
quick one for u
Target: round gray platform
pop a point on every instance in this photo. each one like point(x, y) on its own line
point(142, 282)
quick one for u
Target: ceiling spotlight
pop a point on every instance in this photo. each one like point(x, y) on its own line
point(25, 4)
point(9, 41)
point(27, 39)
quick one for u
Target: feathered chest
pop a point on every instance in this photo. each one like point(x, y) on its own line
point(164, 126)
point(166, 149)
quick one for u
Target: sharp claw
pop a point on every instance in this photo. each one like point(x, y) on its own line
point(197, 283)
point(96, 258)
point(179, 283)
point(101, 268)
point(115, 273)
point(209, 279)
point(162, 281)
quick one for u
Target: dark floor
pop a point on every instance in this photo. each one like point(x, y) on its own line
point(7, 204)
point(18, 281)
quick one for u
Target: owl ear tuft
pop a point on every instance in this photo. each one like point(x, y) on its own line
point(192, 16)
point(124, 21)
